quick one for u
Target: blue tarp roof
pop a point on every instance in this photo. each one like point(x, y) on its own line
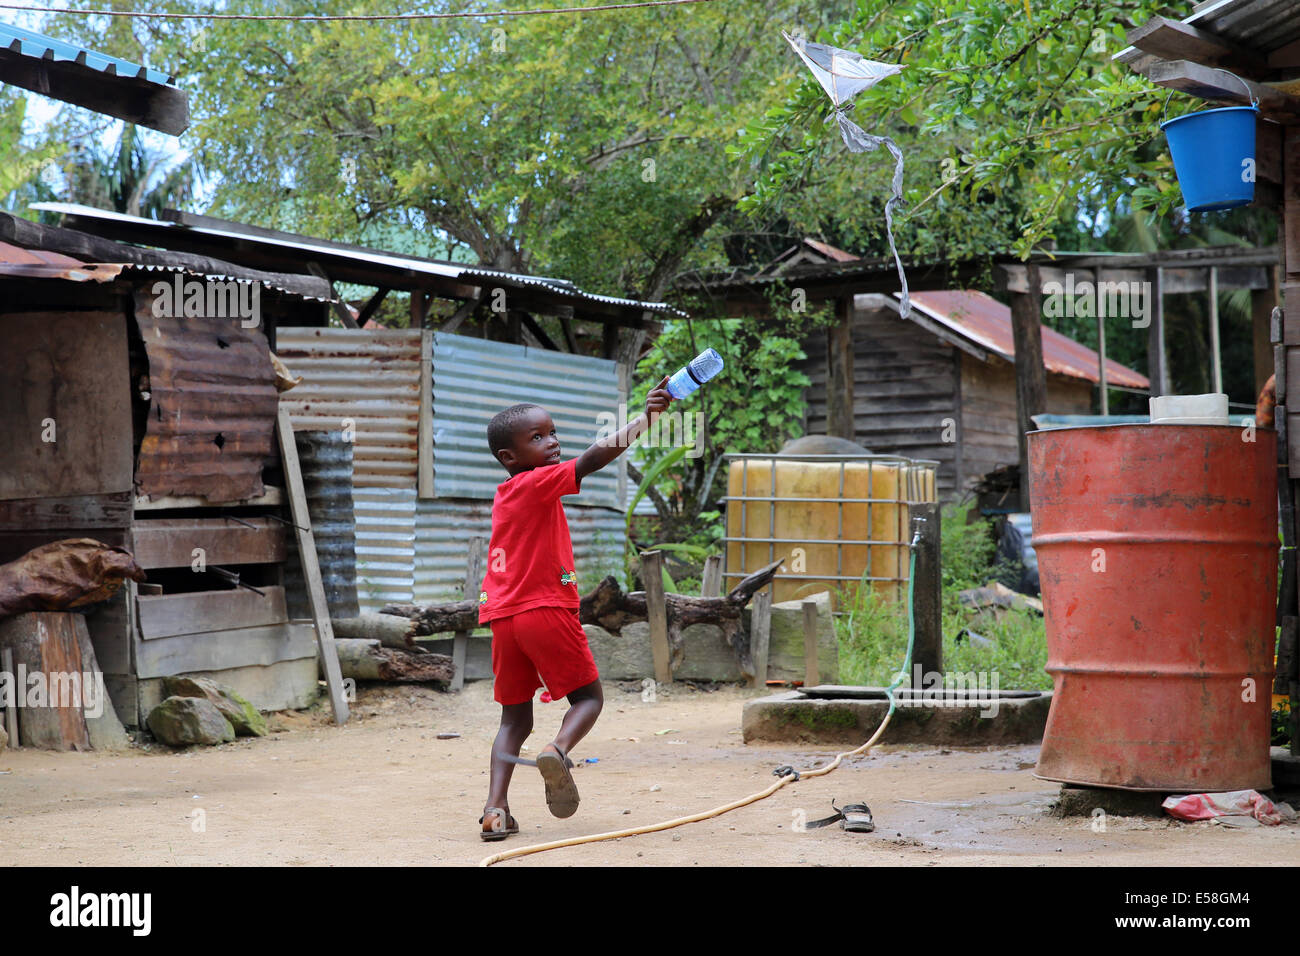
point(42, 47)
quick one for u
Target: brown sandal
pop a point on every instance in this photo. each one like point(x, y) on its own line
point(511, 827)
point(561, 791)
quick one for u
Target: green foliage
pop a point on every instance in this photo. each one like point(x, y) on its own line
point(1009, 115)
point(872, 631)
point(755, 404)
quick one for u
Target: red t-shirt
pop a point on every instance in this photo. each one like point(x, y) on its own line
point(530, 559)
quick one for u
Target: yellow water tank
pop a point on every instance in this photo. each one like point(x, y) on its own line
point(836, 519)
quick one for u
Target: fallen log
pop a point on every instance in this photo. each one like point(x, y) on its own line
point(390, 630)
point(369, 660)
point(608, 606)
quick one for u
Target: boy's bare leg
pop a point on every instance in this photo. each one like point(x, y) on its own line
point(516, 725)
point(586, 706)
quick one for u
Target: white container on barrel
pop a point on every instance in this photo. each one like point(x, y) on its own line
point(1209, 409)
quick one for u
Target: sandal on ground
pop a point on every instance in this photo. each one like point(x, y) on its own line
point(512, 826)
point(561, 791)
point(852, 817)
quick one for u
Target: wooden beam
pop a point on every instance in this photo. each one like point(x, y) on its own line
point(1208, 83)
point(1031, 374)
point(657, 615)
point(840, 421)
point(1101, 359)
point(419, 308)
point(460, 315)
point(372, 306)
point(531, 325)
point(320, 611)
point(566, 326)
point(424, 425)
point(760, 634)
point(1262, 303)
point(711, 578)
point(1216, 352)
point(1174, 40)
point(1157, 373)
point(336, 303)
point(474, 569)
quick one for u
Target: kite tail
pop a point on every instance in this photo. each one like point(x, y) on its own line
point(859, 140)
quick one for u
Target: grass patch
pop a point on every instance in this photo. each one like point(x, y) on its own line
point(872, 631)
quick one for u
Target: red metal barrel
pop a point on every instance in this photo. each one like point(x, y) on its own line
point(1157, 555)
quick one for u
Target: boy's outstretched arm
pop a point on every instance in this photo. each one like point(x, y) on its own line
point(606, 450)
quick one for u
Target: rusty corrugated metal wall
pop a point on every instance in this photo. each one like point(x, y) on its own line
point(211, 422)
point(410, 549)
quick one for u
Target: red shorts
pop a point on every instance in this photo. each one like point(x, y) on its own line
point(544, 644)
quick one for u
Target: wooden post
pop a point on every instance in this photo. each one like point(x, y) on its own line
point(1156, 364)
point(424, 427)
point(474, 571)
point(927, 596)
point(1031, 375)
point(419, 308)
point(1215, 351)
point(1262, 303)
point(11, 707)
point(711, 579)
point(320, 612)
point(657, 614)
point(760, 633)
point(46, 643)
point(1101, 347)
point(839, 373)
point(812, 673)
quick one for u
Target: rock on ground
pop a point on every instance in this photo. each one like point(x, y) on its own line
point(181, 721)
point(243, 716)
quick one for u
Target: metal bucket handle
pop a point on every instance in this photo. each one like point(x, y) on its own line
point(1250, 97)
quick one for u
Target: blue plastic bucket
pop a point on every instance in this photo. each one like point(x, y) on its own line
point(1214, 156)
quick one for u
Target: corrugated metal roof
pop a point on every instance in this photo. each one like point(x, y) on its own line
point(41, 47)
point(473, 379)
point(1264, 25)
point(368, 377)
point(446, 270)
point(987, 322)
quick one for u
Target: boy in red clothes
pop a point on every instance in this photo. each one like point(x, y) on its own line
point(530, 596)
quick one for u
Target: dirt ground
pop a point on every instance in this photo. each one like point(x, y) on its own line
point(384, 790)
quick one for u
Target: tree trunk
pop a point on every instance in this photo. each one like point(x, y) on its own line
point(368, 660)
point(390, 630)
point(609, 607)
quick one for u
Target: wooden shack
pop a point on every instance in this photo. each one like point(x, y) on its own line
point(145, 419)
point(941, 385)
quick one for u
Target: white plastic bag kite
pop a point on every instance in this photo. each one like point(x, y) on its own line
point(844, 74)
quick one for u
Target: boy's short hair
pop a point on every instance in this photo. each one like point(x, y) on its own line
point(501, 430)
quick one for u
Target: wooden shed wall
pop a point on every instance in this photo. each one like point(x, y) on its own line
point(908, 385)
point(904, 390)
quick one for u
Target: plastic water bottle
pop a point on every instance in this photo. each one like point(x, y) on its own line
point(690, 377)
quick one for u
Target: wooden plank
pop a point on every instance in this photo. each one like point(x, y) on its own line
point(1208, 83)
point(1174, 40)
point(46, 642)
point(657, 614)
point(1031, 374)
point(839, 391)
point(474, 571)
point(170, 542)
point(71, 511)
point(11, 704)
point(169, 615)
point(218, 650)
point(760, 625)
point(310, 565)
point(110, 629)
point(812, 674)
point(424, 432)
point(64, 385)
point(711, 578)
point(927, 605)
point(272, 497)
